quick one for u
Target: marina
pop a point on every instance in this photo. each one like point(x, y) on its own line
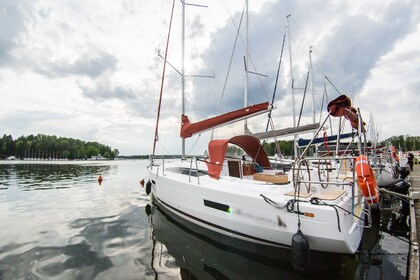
point(63, 224)
point(220, 140)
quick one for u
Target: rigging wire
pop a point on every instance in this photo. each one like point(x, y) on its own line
point(247, 53)
point(317, 65)
point(322, 103)
point(195, 143)
point(276, 143)
point(332, 84)
point(304, 95)
point(230, 63)
point(277, 78)
point(163, 79)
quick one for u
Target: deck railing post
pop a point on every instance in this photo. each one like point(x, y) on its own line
point(196, 168)
point(163, 165)
point(189, 176)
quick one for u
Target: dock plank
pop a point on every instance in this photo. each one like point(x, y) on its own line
point(413, 269)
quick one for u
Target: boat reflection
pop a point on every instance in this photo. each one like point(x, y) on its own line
point(183, 250)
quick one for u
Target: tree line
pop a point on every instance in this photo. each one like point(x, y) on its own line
point(404, 143)
point(52, 147)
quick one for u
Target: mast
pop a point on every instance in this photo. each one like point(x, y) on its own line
point(246, 66)
point(183, 71)
point(312, 84)
point(326, 99)
point(291, 88)
point(162, 83)
point(312, 92)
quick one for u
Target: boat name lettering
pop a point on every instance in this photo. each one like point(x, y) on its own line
point(254, 217)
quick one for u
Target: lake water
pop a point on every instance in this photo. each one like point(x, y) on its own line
point(57, 222)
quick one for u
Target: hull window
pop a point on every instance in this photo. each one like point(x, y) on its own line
point(218, 206)
point(234, 168)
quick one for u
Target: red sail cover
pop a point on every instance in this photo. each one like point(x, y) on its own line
point(250, 144)
point(188, 129)
point(341, 106)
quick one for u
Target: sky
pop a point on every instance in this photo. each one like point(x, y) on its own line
point(90, 70)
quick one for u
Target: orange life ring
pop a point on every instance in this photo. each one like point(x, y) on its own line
point(366, 179)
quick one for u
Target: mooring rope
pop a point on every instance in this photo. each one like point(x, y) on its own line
point(315, 201)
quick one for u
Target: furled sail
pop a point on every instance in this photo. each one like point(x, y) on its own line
point(305, 142)
point(287, 131)
point(188, 129)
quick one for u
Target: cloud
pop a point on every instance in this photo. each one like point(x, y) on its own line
point(103, 90)
point(23, 119)
point(349, 42)
point(354, 47)
point(96, 66)
point(11, 24)
point(91, 65)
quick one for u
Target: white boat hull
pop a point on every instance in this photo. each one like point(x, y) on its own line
point(235, 207)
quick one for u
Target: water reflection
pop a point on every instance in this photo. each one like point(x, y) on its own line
point(386, 257)
point(101, 247)
point(42, 262)
point(30, 176)
point(183, 249)
point(74, 229)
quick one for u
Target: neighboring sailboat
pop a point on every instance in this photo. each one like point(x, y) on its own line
point(246, 198)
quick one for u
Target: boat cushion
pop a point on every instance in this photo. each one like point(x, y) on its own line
point(330, 195)
point(276, 179)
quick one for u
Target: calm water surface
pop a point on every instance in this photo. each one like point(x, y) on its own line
point(57, 222)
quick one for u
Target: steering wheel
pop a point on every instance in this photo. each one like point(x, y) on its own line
point(300, 173)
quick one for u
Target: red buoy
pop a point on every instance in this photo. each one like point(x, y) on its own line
point(142, 182)
point(100, 179)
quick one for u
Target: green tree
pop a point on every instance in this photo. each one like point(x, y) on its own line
point(20, 149)
point(92, 151)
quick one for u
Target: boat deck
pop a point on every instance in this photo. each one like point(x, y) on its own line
point(413, 270)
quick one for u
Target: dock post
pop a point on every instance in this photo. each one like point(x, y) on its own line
point(413, 265)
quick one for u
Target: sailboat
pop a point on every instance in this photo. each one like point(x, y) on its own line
point(245, 198)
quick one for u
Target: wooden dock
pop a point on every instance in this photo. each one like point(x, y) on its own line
point(413, 265)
